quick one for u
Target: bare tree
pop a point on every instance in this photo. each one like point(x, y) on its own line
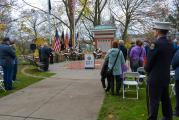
point(174, 16)
point(137, 15)
point(93, 13)
point(129, 12)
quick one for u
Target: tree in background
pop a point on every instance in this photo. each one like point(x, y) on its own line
point(174, 16)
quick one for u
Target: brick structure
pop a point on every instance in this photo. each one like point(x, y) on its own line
point(103, 36)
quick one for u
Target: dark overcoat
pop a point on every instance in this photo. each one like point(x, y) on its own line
point(175, 64)
point(124, 51)
point(7, 55)
point(104, 68)
point(45, 52)
point(158, 63)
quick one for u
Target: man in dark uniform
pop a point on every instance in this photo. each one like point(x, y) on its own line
point(7, 56)
point(45, 54)
point(158, 70)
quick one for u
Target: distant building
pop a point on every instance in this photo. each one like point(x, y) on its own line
point(103, 36)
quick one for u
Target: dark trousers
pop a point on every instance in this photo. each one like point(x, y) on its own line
point(8, 72)
point(177, 96)
point(118, 83)
point(14, 73)
point(103, 77)
point(51, 58)
point(155, 95)
point(46, 64)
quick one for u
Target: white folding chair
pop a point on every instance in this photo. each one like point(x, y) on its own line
point(130, 79)
point(142, 75)
point(172, 83)
point(1, 79)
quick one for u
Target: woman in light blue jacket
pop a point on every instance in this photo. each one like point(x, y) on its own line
point(175, 65)
point(117, 70)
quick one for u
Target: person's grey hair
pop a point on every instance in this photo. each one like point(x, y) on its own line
point(121, 42)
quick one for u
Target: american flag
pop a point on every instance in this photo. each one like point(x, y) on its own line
point(66, 41)
point(76, 40)
point(57, 46)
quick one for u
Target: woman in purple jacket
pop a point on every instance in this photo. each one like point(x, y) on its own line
point(137, 55)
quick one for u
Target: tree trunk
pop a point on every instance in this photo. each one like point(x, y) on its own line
point(124, 36)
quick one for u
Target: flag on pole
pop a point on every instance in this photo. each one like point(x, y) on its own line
point(49, 6)
point(70, 41)
point(76, 40)
point(66, 41)
point(57, 46)
point(62, 41)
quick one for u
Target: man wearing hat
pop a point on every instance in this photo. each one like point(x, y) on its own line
point(158, 70)
point(7, 56)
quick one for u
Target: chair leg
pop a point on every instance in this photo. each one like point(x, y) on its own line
point(137, 91)
point(172, 91)
point(2, 87)
point(123, 91)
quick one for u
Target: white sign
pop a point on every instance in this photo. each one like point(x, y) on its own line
point(89, 61)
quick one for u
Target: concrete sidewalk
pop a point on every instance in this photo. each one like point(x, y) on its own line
point(72, 94)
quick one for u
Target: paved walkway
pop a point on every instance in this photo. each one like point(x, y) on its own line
point(72, 94)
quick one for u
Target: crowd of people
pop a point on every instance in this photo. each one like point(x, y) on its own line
point(156, 58)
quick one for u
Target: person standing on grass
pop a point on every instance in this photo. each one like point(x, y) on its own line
point(115, 54)
point(158, 71)
point(175, 66)
point(104, 74)
point(15, 62)
point(137, 55)
point(45, 54)
point(7, 56)
point(123, 49)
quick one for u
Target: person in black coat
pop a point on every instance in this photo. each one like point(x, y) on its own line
point(7, 56)
point(123, 48)
point(175, 66)
point(158, 70)
point(104, 73)
point(45, 54)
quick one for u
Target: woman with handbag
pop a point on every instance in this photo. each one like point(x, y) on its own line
point(116, 60)
point(137, 55)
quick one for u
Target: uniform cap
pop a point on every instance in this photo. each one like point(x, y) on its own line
point(162, 25)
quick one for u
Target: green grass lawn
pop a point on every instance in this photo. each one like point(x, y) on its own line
point(117, 108)
point(24, 81)
point(34, 71)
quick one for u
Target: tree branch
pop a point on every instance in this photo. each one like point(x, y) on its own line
point(46, 13)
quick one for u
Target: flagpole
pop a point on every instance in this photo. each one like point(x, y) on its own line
point(74, 27)
point(49, 24)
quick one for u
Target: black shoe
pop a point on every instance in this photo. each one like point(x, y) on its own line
point(176, 114)
point(166, 118)
point(106, 89)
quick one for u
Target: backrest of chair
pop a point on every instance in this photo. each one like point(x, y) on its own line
point(131, 76)
point(1, 72)
point(141, 70)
